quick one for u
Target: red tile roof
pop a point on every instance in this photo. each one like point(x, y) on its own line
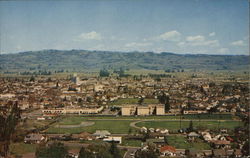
point(168, 148)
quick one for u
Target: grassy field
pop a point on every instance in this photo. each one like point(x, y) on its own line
point(133, 101)
point(126, 142)
point(121, 124)
point(181, 142)
point(74, 120)
point(22, 148)
point(113, 126)
point(175, 125)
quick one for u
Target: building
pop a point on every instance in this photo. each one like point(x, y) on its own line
point(34, 138)
point(168, 151)
point(113, 139)
point(128, 110)
point(143, 110)
point(160, 110)
point(60, 111)
point(101, 134)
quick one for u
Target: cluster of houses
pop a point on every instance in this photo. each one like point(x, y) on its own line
point(220, 144)
point(190, 96)
point(92, 95)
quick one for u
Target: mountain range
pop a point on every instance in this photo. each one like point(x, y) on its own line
point(84, 60)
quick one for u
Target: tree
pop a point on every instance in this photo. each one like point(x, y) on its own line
point(104, 73)
point(191, 128)
point(100, 151)
point(245, 148)
point(114, 150)
point(164, 99)
point(32, 79)
point(166, 140)
point(85, 153)
point(151, 152)
point(146, 135)
point(129, 131)
point(9, 118)
point(140, 101)
point(55, 150)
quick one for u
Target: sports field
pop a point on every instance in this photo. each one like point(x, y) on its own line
point(121, 125)
point(175, 125)
point(113, 126)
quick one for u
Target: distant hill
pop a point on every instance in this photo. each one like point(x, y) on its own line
point(80, 60)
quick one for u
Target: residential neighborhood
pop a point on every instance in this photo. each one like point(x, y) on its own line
point(176, 117)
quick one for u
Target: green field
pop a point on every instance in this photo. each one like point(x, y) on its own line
point(73, 120)
point(181, 142)
point(175, 125)
point(113, 126)
point(22, 148)
point(133, 101)
point(126, 142)
point(121, 124)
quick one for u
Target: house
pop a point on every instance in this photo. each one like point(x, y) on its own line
point(101, 134)
point(113, 139)
point(144, 130)
point(158, 142)
point(194, 153)
point(192, 135)
point(221, 144)
point(83, 136)
point(168, 151)
point(219, 153)
point(74, 153)
point(35, 138)
point(237, 153)
point(206, 136)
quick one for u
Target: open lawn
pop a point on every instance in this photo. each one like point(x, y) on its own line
point(181, 142)
point(121, 124)
point(22, 148)
point(126, 142)
point(75, 120)
point(113, 126)
point(175, 125)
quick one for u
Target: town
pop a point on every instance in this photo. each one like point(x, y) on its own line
point(195, 115)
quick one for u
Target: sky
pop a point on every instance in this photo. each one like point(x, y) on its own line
point(179, 26)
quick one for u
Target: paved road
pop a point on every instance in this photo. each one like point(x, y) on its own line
point(130, 153)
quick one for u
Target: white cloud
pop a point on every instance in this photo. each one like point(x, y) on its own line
point(223, 50)
point(180, 44)
point(212, 34)
point(90, 36)
point(198, 38)
point(170, 36)
point(211, 43)
point(135, 44)
point(238, 43)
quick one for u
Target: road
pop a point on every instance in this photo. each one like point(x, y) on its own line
point(130, 153)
